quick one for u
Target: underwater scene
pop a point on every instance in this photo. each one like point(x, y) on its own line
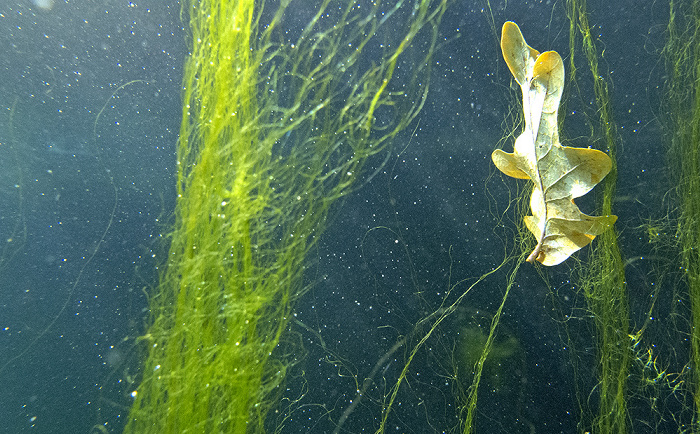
point(349, 216)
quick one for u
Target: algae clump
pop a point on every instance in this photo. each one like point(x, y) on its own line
point(273, 132)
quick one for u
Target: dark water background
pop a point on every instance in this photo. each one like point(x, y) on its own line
point(60, 66)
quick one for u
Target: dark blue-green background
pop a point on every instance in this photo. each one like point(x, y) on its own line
point(429, 218)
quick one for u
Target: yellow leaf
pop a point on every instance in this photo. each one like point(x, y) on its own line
point(560, 173)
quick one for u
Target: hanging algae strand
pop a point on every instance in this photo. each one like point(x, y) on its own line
point(682, 103)
point(272, 134)
point(559, 173)
point(602, 280)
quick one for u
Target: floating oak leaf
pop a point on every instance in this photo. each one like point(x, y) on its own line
point(560, 173)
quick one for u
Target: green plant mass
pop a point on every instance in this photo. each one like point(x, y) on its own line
point(505, 359)
point(603, 279)
point(682, 56)
point(274, 132)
